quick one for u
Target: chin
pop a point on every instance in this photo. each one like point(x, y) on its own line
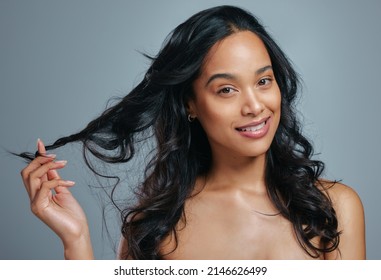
point(257, 152)
point(254, 149)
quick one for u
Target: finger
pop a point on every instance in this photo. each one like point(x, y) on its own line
point(43, 169)
point(41, 147)
point(38, 161)
point(53, 174)
point(42, 151)
point(41, 199)
point(34, 164)
point(62, 189)
point(47, 186)
point(35, 179)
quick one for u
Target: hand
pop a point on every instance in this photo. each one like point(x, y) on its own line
point(52, 202)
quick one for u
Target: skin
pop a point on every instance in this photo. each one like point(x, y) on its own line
point(52, 202)
point(235, 89)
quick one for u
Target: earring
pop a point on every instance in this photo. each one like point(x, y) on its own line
point(190, 118)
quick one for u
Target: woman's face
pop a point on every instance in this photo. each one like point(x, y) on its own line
point(236, 98)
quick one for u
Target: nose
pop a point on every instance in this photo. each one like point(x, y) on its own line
point(251, 103)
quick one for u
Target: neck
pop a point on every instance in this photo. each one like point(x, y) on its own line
point(241, 173)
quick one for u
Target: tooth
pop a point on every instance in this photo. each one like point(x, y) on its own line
point(254, 128)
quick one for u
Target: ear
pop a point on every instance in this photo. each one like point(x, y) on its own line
point(191, 108)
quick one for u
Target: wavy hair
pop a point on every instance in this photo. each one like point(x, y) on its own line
point(158, 104)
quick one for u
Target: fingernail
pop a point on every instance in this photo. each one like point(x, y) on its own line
point(61, 162)
point(38, 141)
point(50, 155)
point(70, 182)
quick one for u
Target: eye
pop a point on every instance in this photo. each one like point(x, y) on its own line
point(226, 90)
point(265, 81)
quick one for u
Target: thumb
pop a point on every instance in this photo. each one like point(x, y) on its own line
point(53, 174)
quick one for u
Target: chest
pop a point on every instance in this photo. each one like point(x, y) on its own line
point(232, 231)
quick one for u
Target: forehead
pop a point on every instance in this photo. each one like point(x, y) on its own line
point(243, 50)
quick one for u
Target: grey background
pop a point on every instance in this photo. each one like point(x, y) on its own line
point(60, 61)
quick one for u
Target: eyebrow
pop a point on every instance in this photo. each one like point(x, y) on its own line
point(229, 76)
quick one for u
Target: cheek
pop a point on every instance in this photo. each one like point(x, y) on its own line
point(277, 109)
point(214, 118)
point(275, 101)
point(278, 103)
point(210, 116)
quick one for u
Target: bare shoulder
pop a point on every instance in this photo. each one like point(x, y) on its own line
point(122, 252)
point(122, 249)
point(341, 195)
point(350, 215)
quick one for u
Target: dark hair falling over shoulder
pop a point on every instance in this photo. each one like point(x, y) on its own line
point(158, 105)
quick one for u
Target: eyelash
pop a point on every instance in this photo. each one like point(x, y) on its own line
point(267, 81)
point(224, 88)
point(262, 82)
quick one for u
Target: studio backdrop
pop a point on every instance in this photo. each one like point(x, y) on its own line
point(61, 61)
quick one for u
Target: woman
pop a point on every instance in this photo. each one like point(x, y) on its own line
point(232, 175)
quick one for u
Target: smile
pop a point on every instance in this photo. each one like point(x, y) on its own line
point(255, 130)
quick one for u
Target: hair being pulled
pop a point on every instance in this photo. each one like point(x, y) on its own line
point(157, 108)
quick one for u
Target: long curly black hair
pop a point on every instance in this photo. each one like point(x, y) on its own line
point(158, 104)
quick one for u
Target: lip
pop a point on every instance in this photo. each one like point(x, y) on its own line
point(257, 133)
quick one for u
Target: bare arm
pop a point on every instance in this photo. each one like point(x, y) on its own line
point(350, 215)
point(52, 202)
